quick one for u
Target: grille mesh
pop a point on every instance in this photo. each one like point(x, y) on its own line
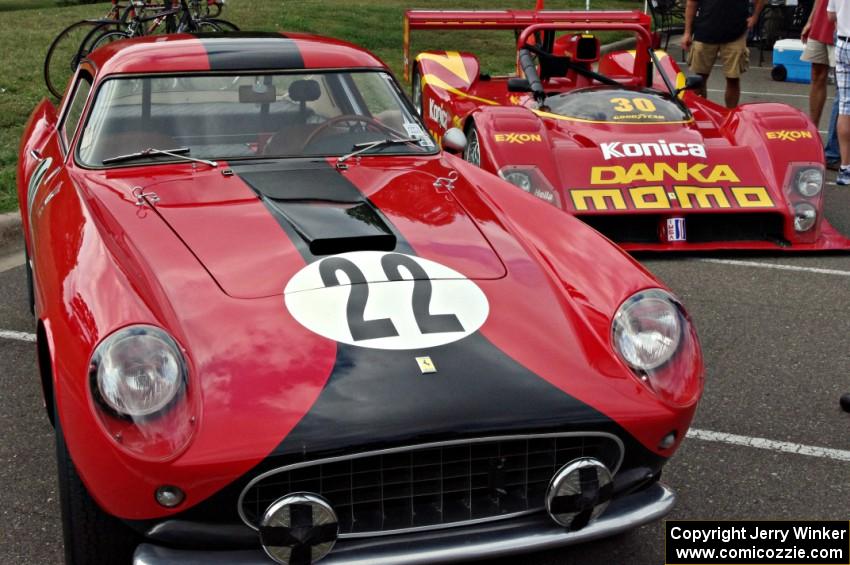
point(700, 228)
point(433, 486)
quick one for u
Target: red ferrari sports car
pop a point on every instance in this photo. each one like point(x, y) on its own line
point(275, 322)
point(620, 141)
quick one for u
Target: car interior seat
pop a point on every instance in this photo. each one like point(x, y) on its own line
point(290, 139)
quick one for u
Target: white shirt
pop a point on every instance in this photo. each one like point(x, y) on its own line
point(842, 11)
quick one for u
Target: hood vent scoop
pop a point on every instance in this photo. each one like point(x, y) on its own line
point(329, 228)
point(323, 207)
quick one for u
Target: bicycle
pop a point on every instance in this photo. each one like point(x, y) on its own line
point(133, 19)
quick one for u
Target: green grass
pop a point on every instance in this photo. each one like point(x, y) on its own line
point(29, 26)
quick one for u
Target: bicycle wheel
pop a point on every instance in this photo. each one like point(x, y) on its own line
point(223, 25)
point(63, 56)
point(107, 38)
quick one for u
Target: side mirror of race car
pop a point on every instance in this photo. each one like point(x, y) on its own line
point(454, 141)
point(693, 82)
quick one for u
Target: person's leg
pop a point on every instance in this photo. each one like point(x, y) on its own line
point(736, 60)
point(703, 90)
point(733, 92)
point(844, 139)
point(832, 151)
point(701, 57)
point(817, 91)
point(842, 76)
point(817, 54)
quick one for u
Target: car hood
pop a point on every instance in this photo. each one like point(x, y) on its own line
point(246, 223)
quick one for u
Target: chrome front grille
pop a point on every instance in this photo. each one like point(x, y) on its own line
point(433, 485)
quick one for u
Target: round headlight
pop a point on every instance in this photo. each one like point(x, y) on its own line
point(647, 330)
point(520, 179)
point(809, 182)
point(138, 371)
point(805, 216)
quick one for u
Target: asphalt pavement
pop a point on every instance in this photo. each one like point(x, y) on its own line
point(775, 333)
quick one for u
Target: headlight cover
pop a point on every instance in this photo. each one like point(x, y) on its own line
point(809, 181)
point(805, 216)
point(520, 179)
point(653, 336)
point(139, 383)
point(647, 330)
point(138, 371)
point(530, 179)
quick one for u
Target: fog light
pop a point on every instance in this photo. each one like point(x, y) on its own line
point(805, 216)
point(579, 493)
point(299, 528)
point(170, 496)
point(668, 441)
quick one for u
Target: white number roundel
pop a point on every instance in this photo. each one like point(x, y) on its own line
point(385, 301)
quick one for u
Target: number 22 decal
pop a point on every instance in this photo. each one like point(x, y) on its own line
point(383, 327)
point(385, 300)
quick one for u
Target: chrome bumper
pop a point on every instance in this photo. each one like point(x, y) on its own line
point(521, 535)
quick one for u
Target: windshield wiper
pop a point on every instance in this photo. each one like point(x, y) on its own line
point(359, 148)
point(176, 152)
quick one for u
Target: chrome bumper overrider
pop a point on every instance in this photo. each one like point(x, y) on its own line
point(530, 533)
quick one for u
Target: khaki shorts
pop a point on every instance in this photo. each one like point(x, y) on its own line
point(735, 56)
point(820, 53)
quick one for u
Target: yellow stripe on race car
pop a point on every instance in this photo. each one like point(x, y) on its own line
point(543, 114)
point(439, 83)
point(451, 61)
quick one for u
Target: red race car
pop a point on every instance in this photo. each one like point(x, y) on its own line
point(620, 141)
point(275, 322)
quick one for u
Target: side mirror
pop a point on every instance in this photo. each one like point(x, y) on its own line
point(454, 141)
point(517, 84)
point(692, 82)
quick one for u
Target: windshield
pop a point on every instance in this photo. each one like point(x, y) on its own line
point(248, 116)
point(614, 105)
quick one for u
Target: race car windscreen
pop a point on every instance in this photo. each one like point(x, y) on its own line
point(615, 105)
point(231, 117)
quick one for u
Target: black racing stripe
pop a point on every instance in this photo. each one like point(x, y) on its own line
point(320, 210)
point(378, 398)
point(251, 51)
point(478, 389)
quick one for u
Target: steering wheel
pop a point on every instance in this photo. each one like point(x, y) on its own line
point(351, 119)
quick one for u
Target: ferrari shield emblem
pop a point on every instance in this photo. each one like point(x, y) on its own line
point(426, 365)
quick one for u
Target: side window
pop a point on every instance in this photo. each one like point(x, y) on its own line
point(75, 110)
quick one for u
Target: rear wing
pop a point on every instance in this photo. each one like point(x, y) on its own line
point(519, 20)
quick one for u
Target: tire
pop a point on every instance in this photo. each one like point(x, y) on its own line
point(416, 91)
point(779, 73)
point(208, 27)
point(472, 153)
point(224, 26)
point(30, 287)
point(91, 536)
point(107, 38)
point(64, 55)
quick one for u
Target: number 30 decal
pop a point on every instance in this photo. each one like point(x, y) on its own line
point(385, 301)
point(635, 104)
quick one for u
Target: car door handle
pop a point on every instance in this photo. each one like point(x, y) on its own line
point(35, 154)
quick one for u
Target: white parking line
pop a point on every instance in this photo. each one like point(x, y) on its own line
point(780, 267)
point(769, 444)
point(11, 261)
point(17, 336)
point(705, 435)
